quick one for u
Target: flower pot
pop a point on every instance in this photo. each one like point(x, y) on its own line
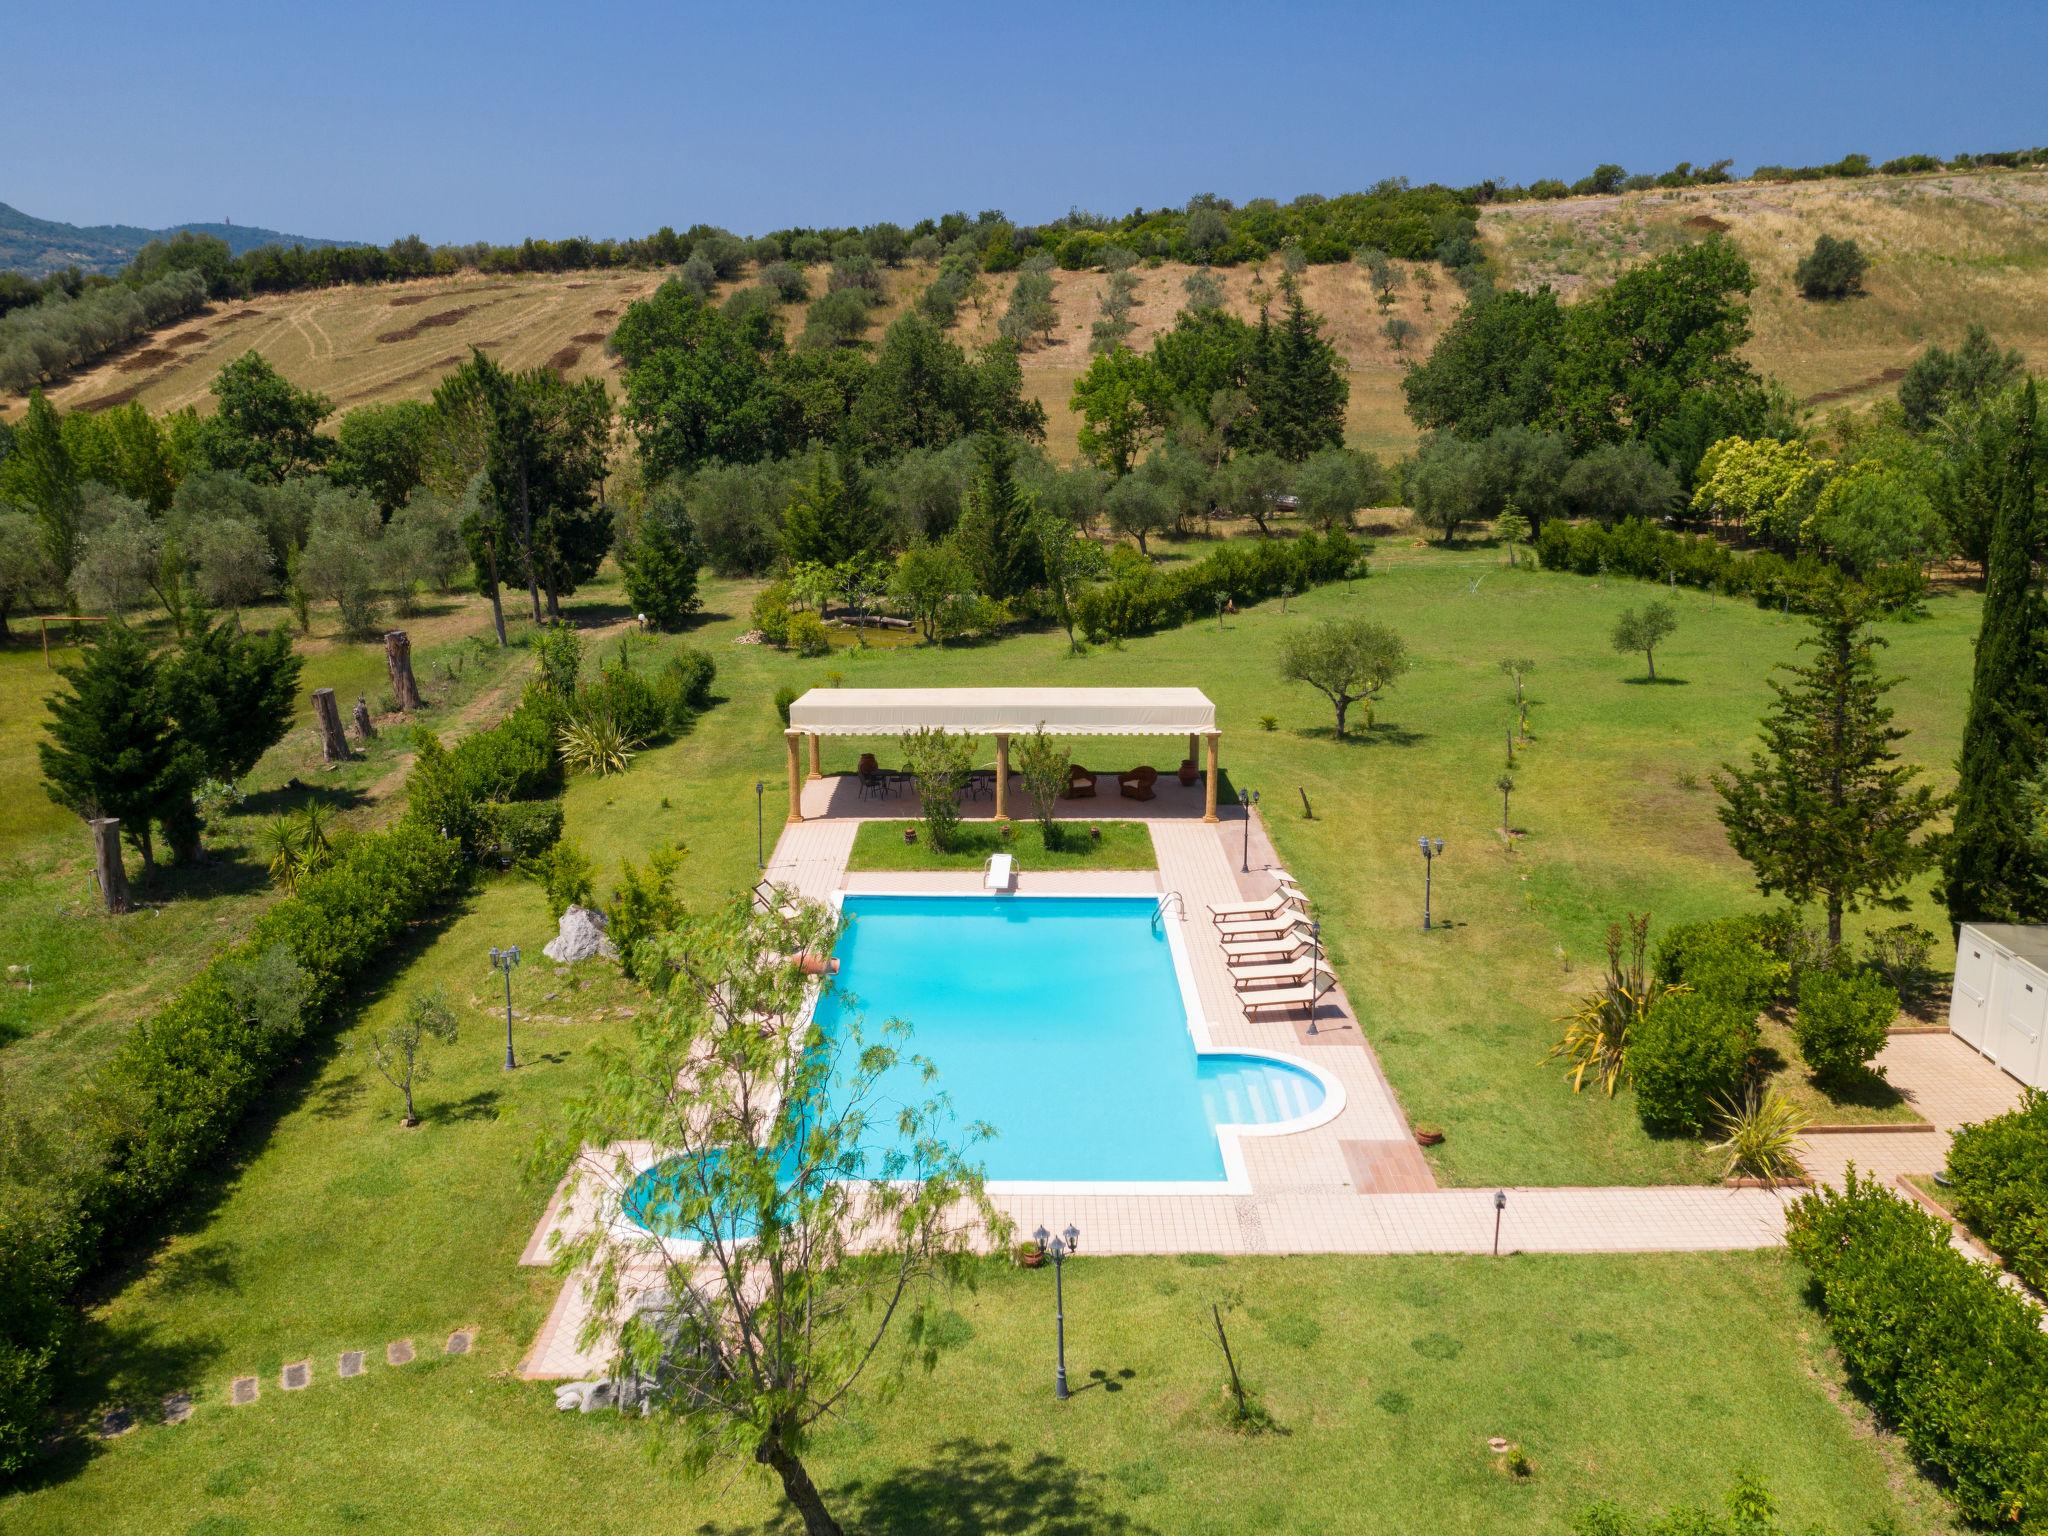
point(910, 834)
point(1030, 1256)
point(1427, 1135)
point(1095, 834)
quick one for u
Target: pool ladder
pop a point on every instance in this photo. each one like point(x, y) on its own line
point(1168, 899)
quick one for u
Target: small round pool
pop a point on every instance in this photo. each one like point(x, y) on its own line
point(1255, 1090)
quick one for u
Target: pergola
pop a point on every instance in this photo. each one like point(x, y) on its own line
point(1001, 713)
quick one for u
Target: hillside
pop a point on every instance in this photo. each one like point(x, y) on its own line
point(41, 246)
point(1946, 249)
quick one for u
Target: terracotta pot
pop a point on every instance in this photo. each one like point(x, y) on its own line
point(1428, 1135)
point(910, 834)
point(1030, 1257)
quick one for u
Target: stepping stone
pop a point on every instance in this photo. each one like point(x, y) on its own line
point(116, 1421)
point(351, 1363)
point(459, 1341)
point(398, 1352)
point(177, 1407)
point(243, 1391)
point(297, 1376)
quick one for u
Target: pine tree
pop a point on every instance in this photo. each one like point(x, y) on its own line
point(996, 532)
point(659, 562)
point(38, 473)
point(111, 748)
point(833, 517)
point(1826, 812)
point(1993, 867)
point(230, 692)
point(1296, 381)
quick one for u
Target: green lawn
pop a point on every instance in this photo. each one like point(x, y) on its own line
point(1121, 845)
point(1646, 1378)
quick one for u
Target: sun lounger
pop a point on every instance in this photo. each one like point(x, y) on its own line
point(1253, 927)
point(1286, 997)
point(1270, 951)
point(1001, 873)
point(1239, 911)
point(1298, 972)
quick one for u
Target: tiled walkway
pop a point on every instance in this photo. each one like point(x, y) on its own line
point(1942, 1078)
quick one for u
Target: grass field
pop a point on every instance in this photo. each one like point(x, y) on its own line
point(1947, 250)
point(1122, 845)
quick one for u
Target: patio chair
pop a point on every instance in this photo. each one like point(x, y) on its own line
point(1137, 783)
point(872, 780)
point(1287, 896)
point(1080, 783)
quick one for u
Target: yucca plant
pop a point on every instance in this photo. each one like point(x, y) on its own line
point(287, 854)
point(1761, 1131)
point(595, 742)
point(1596, 1032)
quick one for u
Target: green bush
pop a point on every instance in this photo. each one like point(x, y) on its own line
point(631, 700)
point(523, 830)
point(808, 635)
point(689, 676)
point(1140, 599)
point(1733, 959)
point(785, 696)
point(1637, 547)
point(771, 612)
point(1951, 1358)
point(567, 875)
point(1843, 1019)
point(1692, 1050)
point(2000, 1171)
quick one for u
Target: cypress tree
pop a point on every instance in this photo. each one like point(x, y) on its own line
point(111, 748)
point(230, 692)
point(1296, 382)
point(38, 473)
point(1826, 812)
point(996, 532)
point(1993, 867)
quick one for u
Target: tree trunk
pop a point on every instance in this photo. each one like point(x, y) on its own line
point(398, 661)
point(333, 744)
point(1650, 656)
point(107, 865)
point(365, 732)
point(526, 540)
point(497, 596)
point(1343, 706)
point(798, 1488)
point(1834, 921)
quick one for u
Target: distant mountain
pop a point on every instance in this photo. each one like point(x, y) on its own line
point(41, 246)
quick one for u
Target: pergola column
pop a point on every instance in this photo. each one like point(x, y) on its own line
point(1002, 775)
point(796, 778)
point(1209, 779)
point(1193, 755)
point(816, 773)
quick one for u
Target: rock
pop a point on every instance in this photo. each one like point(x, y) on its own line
point(581, 936)
point(574, 1396)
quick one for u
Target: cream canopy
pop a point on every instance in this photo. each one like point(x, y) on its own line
point(1001, 713)
point(989, 711)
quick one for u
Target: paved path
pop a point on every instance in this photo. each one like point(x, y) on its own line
point(1942, 1078)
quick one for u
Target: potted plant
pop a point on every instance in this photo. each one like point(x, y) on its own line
point(1095, 834)
point(910, 833)
point(1428, 1133)
point(1009, 830)
point(1029, 1255)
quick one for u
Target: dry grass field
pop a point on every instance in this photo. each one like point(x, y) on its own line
point(1946, 250)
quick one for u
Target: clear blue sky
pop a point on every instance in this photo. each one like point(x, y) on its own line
point(458, 120)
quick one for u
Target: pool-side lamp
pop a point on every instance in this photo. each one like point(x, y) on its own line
point(1432, 850)
point(1248, 798)
point(1500, 1204)
point(760, 841)
point(504, 960)
point(1059, 1247)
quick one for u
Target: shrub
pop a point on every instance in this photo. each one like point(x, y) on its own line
point(808, 635)
point(1833, 269)
point(1637, 547)
point(1735, 960)
point(785, 696)
point(520, 831)
point(593, 742)
point(1690, 1051)
point(1139, 600)
point(689, 676)
point(1842, 1021)
point(1761, 1133)
point(642, 906)
point(2000, 1172)
point(1951, 1358)
point(629, 698)
point(1899, 954)
point(771, 612)
point(567, 875)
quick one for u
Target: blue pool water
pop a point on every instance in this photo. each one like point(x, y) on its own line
point(1058, 1020)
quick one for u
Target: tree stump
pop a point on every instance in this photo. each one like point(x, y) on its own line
point(398, 658)
point(364, 730)
point(333, 744)
point(107, 868)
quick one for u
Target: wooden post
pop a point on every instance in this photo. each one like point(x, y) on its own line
point(796, 778)
point(1002, 776)
point(816, 773)
point(333, 744)
point(364, 730)
point(398, 660)
point(1209, 781)
point(106, 863)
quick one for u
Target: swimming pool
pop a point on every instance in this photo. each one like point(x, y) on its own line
point(1066, 1022)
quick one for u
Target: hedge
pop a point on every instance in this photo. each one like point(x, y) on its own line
point(1948, 1355)
point(1141, 601)
point(1638, 547)
point(2000, 1172)
point(170, 1098)
point(1687, 1057)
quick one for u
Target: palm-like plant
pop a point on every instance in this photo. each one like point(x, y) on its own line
point(1762, 1134)
point(1596, 1032)
point(283, 841)
point(594, 742)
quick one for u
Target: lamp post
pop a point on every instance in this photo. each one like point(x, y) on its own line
point(760, 837)
point(504, 960)
point(1059, 1247)
point(1248, 798)
point(1500, 1203)
point(1432, 850)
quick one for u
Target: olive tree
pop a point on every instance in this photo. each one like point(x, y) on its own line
point(816, 1195)
point(1644, 629)
point(1349, 661)
point(399, 1051)
point(1043, 764)
point(941, 763)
